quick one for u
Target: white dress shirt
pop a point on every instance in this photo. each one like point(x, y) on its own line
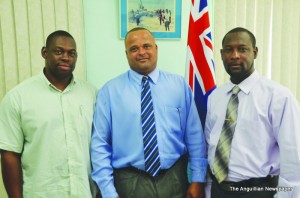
point(267, 135)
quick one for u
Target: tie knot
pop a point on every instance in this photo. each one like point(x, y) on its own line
point(145, 78)
point(235, 90)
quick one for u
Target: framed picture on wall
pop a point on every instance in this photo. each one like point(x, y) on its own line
point(161, 17)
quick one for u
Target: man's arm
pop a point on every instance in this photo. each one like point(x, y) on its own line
point(12, 173)
point(101, 151)
point(286, 115)
point(195, 141)
point(196, 146)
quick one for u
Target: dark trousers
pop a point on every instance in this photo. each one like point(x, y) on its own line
point(260, 190)
point(133, 183)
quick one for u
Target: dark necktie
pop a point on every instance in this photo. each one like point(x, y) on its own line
point(152, 161)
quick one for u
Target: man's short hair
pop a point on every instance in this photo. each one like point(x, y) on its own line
point(240, 29)
point(137, 29)
point(56, 34)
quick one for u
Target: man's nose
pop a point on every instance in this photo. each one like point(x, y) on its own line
point(65, 56)
point(141, 50)
point(235, 54)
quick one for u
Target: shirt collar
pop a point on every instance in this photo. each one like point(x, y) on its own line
point(247, 84)
point(138, 77)
point(50, 85)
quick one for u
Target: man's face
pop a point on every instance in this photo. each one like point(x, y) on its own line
point(141, 51)
point(238, 56)
point(60, 57)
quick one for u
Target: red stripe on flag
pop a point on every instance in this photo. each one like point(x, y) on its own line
point(200, 65)
point(195, 29)
point(208, 44)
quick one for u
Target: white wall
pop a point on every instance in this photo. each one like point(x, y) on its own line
point(105, 51)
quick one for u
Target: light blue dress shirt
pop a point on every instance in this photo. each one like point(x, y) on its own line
point(117, 140)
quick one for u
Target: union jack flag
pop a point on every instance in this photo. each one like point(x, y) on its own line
point(200, 70)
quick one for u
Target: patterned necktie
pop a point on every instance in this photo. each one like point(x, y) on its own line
point(223, 148)
point(152, 161)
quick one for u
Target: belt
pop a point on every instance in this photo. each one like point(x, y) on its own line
point(253, 182)
point(182, 159)
point(140, 171)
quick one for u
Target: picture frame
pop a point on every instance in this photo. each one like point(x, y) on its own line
point(161, 17)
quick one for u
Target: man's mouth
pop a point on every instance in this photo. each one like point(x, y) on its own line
point(64, 67)
point(235, 66)
point(142, 59)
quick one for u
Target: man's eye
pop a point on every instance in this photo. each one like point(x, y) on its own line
point(72, 54)
point(227, 50)
point(58, 52)
point(134, 49)
point(147, 46)
point(242, 49)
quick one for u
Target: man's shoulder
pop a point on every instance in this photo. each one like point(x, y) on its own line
point(274, 88)
point(26, 85)
point(21, 91)
point(167, 73)
point(116, 81)
point(85, 84)
point(171, 76)
point(220, 89)
point(266, 82)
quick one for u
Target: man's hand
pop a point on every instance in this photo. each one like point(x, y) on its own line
point(196, 190)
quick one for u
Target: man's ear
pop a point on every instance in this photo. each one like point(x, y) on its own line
point(221, 52)
point(255, 52)
point(44, 52)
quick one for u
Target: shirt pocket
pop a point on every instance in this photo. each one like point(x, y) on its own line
point(86, 115)
point(174, 117)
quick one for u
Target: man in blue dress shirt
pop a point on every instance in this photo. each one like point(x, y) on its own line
point(117, 148)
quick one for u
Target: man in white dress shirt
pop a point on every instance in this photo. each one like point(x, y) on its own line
point(266, 140)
